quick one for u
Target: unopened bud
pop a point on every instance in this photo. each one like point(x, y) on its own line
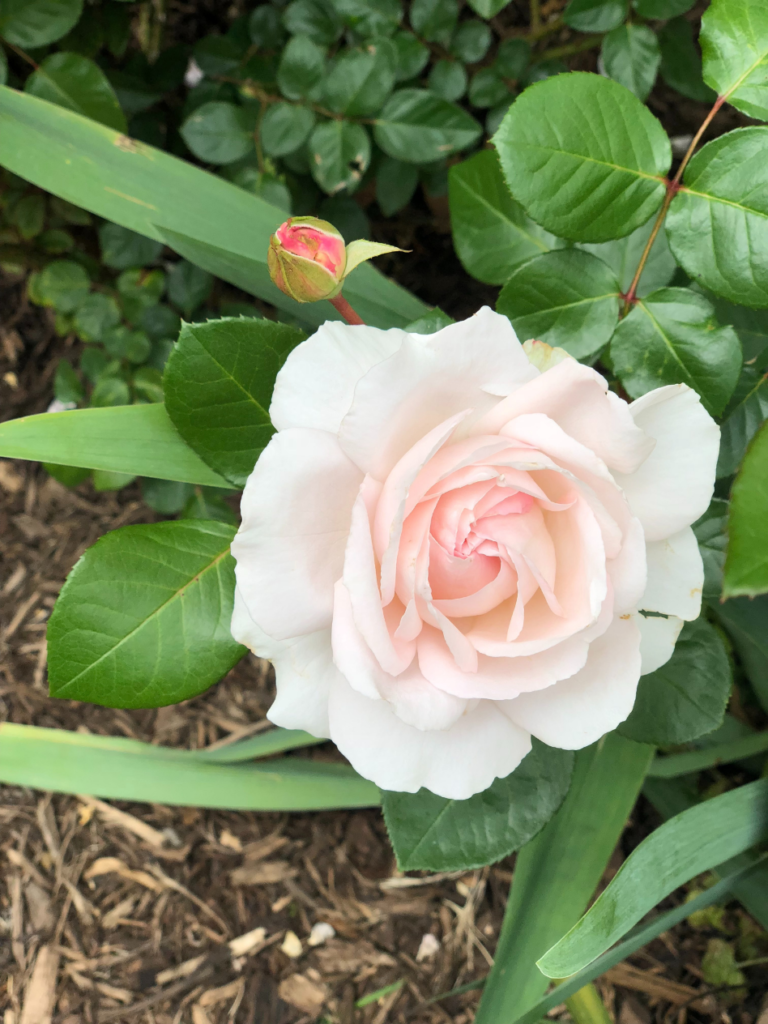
point(307, 258)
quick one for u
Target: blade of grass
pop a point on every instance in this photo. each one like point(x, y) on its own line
point(273, 742)
point(696, 760)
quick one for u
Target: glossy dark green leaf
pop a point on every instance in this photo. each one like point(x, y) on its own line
point(681, 61)
point(751, 325)
point(341, 152)
point(623, 256)
point(746, 562)
point(434, 20)
point(574, 176)
point(710, 534)
point(122, 249)
point(434, 834)
point(301, 69)
point(93, 362)
point(359, 81)
point(672, 337)
point(346, 215)
point(557, 872)
point(188, 286)
point(631, 56)
point(265, 27)
point(718, 222)
point(148, 384)
point(685, 698)
point(27, 215)
point(412, 56)
point(219, 133)
point(3, 66)
point(217, 55)
point(370, 18)
point(743, 421)
point(285, 127)
point(218, 387)
point(34, 23)
point(207, 503)
point(317, 19)
point(143, 619)
point(106, 480)
point(487, 88)
point(139, 289)
point(417, 126)
point(487, 8)
point(78, 84)
point(471, 41)
point(95, 315)
point(395, 184)
point(448, 79)
point(433, 322)
point(492, 233)
point(513, 58)
point(595, 15)
point(662, 10)
point(165, 496)
point(67, 386)
point(734, 43)
point(108, 392)
point(745, 619)
point(566, 298)
point(63, 284)
point(681, 848)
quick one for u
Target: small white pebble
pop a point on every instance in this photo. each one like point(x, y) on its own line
point(428, 946)
point(321, 932)
point(292, 946)
point(57, 406)
point(194, 74)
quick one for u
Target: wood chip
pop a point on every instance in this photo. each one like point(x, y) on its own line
point(307, 996)
point(40, 993)
point(113, 917)
point(10, 479)
point(39, 906)
point(109, 865)
point(663, 988)
point(265, 847)
point(199, 1016)
point(339, 957)
point(224, 992)
point(122, 995)
point(230, 841)
point(112, 816)
point(264, 873)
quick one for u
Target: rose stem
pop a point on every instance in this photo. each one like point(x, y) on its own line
point(341, 305)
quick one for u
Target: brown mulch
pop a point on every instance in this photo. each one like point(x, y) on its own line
point(145, 914)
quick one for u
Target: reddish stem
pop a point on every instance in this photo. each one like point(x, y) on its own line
point(341, 305)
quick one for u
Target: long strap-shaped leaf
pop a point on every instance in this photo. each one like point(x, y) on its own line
point(118, 769)
point(557, 872)
point(157, 194)
point(136, 439)
point(692, 842)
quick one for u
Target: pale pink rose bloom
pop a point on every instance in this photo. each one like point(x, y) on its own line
point(445, 551)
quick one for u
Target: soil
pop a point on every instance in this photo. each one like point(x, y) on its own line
point(122, 912)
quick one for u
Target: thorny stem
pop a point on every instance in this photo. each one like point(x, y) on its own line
point(673, 187)
point(589, 43)
point(535, 16)
point(341, 305)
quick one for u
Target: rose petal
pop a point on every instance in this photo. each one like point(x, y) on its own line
point(658, 636)
point(675, 576)
point(627, 571)
point(290, 546)
point(674, 485)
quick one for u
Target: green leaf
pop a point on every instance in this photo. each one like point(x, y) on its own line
point(341, 152)
point(710, 534)
point(566, 298)
point(595, 15)
point(685, 698)
point(34, 23)
point(218, 387)
point(3, 66)
point(395, 184)
point(487, 8)
point(471, 41)
point(217, 55)
point(143, 618)
point(558, 871)
point(140, 289)
point(359, 81)
point(681, 61)
point(123, 343)
point(746, 561)
point(63, 284)
point(166, 496)
point(117, 768)
point(110, 391)
point(432, 833)
point(751, 325)
point(219, 133)
point(302, 67)
point(746, 621)
point(743, 422)
point(671, 337)
point(574, 176)
point(448, 79)
point(681, 848)
point(623, 256)
point(56, 241)
point(631, 56)
point(66, 384)
point(662, 10)
point(487, 88)
point(412, 56)
point(734, 43)
point(265, 27)
point(95, 316)
point(285, 127)
point(513, 57)
point(188, 286)
point(491, 231)
point(206, 503)
point(317, 19)
point(417, 126)
point(28, 216)
point(122, 249)
point(433, 322)
point(93, 363)
point(725, 196)
point(69, 476)
point(106, 480)
point(136, 439)
point(434, 20)
point(674, 765)
point(78, 84)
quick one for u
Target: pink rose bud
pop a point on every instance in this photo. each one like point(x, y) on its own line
point(307, 259)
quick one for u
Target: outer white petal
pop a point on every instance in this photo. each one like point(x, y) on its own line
point(675, 576)
point(577, 711)
point(315, 385)
point(304, 669)
point(674, 485)
point(296, 510)
point(454, 763)
point(628, 571)
point(426, 381)
point(658, 637)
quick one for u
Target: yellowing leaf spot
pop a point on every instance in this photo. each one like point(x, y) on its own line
point(127, 145)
